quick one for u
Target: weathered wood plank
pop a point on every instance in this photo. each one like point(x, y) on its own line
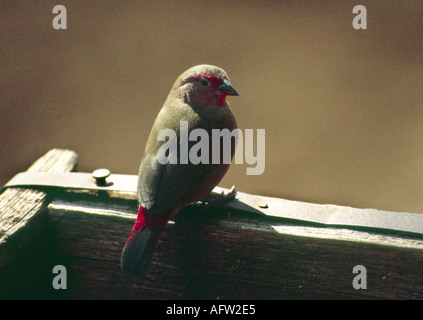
point(22, 224)
point(222, 254)
point(19, 206)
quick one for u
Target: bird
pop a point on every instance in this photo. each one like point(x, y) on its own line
point(198, 96)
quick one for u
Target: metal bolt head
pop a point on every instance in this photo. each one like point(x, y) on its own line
point(262, 204)
point(100, 176)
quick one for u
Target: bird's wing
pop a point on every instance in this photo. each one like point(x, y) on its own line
point(162, 186)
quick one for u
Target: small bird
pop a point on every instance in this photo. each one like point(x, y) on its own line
point(198, 97)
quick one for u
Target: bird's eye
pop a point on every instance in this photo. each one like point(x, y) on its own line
point(205, 82)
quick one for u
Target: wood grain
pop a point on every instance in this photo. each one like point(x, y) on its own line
point(23, 225)
point(222, 253)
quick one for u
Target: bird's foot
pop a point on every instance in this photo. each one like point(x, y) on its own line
point(218, 198)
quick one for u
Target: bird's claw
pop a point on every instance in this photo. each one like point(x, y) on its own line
point(230, 195)
point(216, 198)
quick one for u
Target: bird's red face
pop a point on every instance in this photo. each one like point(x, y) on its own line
point(206, 90)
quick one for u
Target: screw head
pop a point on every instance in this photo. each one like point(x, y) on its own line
point(262, 204)
point(100, 176)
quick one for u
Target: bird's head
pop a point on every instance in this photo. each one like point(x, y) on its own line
point(204, 86)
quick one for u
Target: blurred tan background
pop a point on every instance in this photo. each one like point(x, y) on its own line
point(342, 108)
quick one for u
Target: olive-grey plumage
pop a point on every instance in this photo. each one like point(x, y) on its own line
point(198, 97)
point(161, 186)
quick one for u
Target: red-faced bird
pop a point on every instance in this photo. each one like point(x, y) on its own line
point(198, 97)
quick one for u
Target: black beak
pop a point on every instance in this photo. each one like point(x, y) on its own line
point(227, 88)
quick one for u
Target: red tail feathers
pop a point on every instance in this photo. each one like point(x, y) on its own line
point(147, 219)
point(139, 248)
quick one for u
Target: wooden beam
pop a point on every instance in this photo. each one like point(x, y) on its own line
point(225, 254)
point(22, 223)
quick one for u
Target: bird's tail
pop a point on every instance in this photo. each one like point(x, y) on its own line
point(139, 247)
